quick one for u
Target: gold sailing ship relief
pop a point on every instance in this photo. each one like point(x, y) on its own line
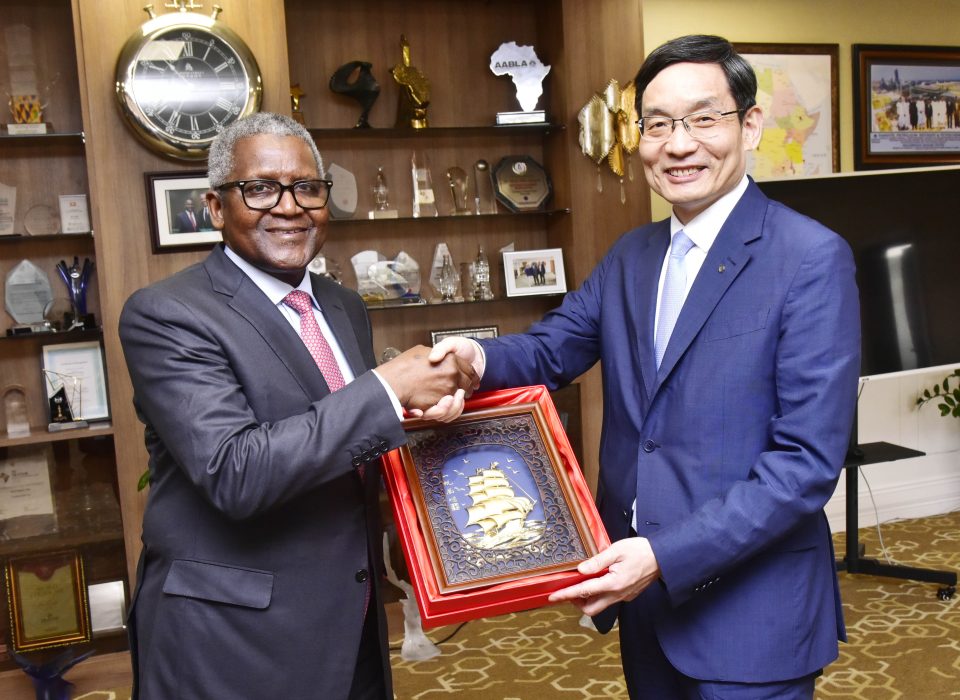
point(493, 499)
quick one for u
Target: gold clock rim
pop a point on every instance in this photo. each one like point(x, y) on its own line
point(155, 138)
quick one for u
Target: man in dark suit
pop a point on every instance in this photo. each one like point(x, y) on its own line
point(261, 562)
point(187, 219)
point(729, 342)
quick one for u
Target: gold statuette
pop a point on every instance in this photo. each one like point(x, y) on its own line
point(414, 92)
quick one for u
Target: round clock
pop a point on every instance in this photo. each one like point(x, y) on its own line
point(182, 78)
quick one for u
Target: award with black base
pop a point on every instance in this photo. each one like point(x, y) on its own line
point(521, 184)
point(65, 409)
point(364, 88)
point(77, 279)
point(527, 71)
point(27, 294)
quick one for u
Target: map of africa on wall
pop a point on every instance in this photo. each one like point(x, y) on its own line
point(796, 88)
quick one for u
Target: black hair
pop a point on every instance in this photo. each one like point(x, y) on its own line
point(701, 48)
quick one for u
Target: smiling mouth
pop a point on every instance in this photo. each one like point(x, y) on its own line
point(684, 172)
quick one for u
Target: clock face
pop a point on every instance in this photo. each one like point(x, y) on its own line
point(180, 86)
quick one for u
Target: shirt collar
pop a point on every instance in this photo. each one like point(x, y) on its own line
point(269, 285)
point(705, 226)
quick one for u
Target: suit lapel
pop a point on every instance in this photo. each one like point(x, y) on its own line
point(727, 258)
point(644, 285)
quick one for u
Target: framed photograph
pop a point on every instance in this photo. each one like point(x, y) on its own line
point(78, 368)
point(798, 90)
point(529, 272)
point(178, 216)
point(906, 105)
point(492, 510)
point(484, 332)
point(47, 601)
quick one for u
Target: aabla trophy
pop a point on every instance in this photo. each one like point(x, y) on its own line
point(527, 72)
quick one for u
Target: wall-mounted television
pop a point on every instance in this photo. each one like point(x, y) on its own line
point(904, 229)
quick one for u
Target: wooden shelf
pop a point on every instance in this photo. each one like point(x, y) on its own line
point(375, 306)
point(26, 237)
point(60, 540)
point(39, 435)
point(451, 217)
point(438, 131)
point(77, 137)
point(56, 336)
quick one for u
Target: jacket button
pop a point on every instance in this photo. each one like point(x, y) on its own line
point(649, 446)
point(356, 461)
point(361, 576)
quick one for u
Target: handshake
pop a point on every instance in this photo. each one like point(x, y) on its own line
point(434, 382)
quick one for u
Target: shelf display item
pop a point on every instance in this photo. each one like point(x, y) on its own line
point(76, 278)
point(457, 179)
point(383, 281)
point(181, 78)
point(27, 293)
point(8, 209)
point(527, 72)
point(296, 111)
point(414, 91)
point(521, 184)
point(485, 202)
point(444, 277)
point(326, 267)
point(424, 201)
point(343, 193)
point(381, 198)
point(25, 102)
point(41, 220)
point(481, 277)
point(364, 88)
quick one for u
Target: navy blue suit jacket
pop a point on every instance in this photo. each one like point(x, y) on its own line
point(734, 446)
point(257, 525)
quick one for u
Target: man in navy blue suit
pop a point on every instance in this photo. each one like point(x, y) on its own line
point(729, 341)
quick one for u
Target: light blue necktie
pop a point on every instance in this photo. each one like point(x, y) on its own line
point(671, 299)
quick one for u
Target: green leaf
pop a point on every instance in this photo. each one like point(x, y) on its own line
point(926, 394)
point(956, 411)
point(946, 385)
point(950, 401)
point(144, 480)
point(944, 409)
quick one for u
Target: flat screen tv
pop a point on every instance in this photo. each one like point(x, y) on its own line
point(904, 229)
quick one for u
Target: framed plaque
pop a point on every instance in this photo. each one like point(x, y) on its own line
point(47, 601)
point(80, 369)
point(521, 184)
point(492, 510)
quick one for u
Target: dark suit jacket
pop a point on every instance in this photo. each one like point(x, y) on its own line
point(184, 225)
point(734, 446)
point(258, 531)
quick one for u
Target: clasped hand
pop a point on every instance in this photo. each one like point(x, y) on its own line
point(427, 387)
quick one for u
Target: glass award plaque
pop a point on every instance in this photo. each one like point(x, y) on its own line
point(521, 184)
point(444, 277)
point(326, 267)
point(64, 393)
point(424, 201)
point(27, 293)
point(343, 194)
point(15, 411)
point(8, 209)
point(41, 220)
point(457, 180)
point(527, 72)
point(387, 282)
point(381, 198)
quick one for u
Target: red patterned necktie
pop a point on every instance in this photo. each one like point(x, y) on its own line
point(313, 338)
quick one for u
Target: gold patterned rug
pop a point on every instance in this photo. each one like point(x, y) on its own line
point(904, 643)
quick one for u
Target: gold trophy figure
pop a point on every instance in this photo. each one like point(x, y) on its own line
point(297, 94)
point(414, 93)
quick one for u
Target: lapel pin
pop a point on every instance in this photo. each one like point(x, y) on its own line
point(721, 268)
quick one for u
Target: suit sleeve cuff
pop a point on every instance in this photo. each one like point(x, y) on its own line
point(398, 409)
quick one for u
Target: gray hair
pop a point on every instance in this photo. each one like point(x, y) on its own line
point(220, 158)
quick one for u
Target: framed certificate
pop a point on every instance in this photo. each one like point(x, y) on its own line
point(47, 601)
point(492, 510)
point(80, 368)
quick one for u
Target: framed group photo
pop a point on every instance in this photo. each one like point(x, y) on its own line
point(178, 215)
point(530, 272)
point(798, 91)
point(476, 333)
point(906, 105)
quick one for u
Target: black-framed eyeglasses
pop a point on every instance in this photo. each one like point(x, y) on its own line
point(699, 125)
point(263, 195)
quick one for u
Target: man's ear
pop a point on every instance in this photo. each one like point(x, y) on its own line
point(752, 128)
point(216, 209)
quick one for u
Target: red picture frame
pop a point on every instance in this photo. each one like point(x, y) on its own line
point(443, 602)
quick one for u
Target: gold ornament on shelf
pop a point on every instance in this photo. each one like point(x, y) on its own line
point(414, 93)
point(608, 130)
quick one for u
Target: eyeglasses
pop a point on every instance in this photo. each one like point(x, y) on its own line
point(263, 195)
point(699, 125)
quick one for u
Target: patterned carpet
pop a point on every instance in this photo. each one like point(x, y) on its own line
point(904, 642)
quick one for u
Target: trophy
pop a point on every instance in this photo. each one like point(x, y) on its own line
point(364, 88)
point(527, 71)
point(381, 201)
point(424, 203)
point(481, 277)
point(27, 294)
point(443, 274)
point(326, 267)
point(484, 199)
point(522, 184)
point(15, 411)
point(457, 180)
point(24, 97)
point(383, 281)
point(8, 209)
point(64, 395)
point(343, 193)
point(414, 91)
point(296, 94)
point(77, 279)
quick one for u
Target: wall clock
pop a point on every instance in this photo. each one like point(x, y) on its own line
point(183, 77)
